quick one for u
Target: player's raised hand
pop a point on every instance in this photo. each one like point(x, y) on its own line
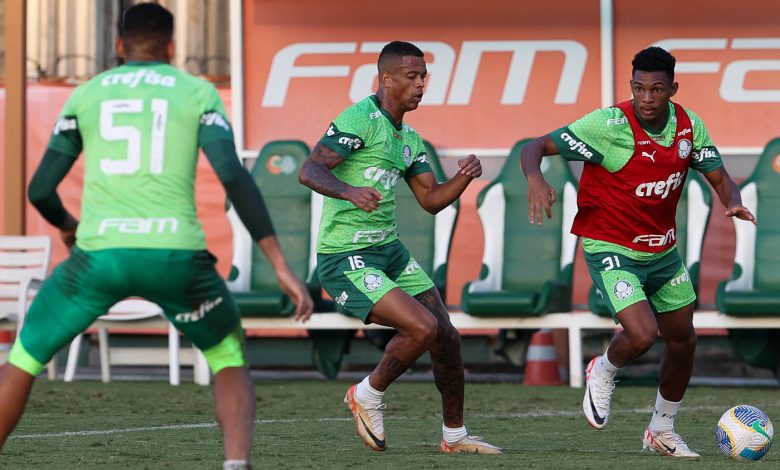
point(364, 198)
point(470, 166)
point(540, 196)
point(741, 212)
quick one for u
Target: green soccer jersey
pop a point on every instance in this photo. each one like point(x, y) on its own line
point(140, 126)
point(604, 137)
point(377, 153)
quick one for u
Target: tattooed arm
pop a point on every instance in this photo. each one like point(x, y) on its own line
point(316, 174)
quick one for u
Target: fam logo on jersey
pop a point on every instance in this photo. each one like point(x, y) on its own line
point(372, 281)
point(684, 148)
point(617, 121)
point(281, 164)
point(657, 239)
point(407, 155)
point(623, 290)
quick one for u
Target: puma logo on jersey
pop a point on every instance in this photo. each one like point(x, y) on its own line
point(661, 188)
point(651, 156)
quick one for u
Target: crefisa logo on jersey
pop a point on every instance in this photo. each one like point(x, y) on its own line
point(372, 281)
point(684, 148)
point(407, 155)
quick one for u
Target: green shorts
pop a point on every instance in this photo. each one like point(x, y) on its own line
point(356, 280)
point(623, 281)
point(184, 283)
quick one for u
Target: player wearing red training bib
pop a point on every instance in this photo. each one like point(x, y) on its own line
point(637, 155)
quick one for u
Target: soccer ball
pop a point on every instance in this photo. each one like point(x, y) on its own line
point(744, 433)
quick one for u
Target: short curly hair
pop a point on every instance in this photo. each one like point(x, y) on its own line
point(654, 59)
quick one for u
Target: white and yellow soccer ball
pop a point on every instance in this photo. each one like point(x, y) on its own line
point(744, 433)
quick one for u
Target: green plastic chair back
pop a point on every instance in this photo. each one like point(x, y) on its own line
point(527, 268)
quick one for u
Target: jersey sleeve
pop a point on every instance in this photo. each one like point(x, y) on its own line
point(214, 123)
point(348, 132)
point(585, 139)
point(420, 162)
point(66, 136)
point(706, 157)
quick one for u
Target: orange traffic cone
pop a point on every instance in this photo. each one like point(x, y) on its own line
point(541, 363)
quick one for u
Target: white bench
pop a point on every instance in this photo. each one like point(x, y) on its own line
point(574, 322)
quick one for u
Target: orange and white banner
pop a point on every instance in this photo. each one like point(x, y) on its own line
point(500, 71)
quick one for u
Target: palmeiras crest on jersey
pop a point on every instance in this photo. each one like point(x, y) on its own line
point(372, 281)
point(623, 289)
point(684, 148)
point(407, 155)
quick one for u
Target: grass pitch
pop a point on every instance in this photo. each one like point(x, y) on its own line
point(304, 424)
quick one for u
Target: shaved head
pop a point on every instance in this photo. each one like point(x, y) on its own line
point(393, 52)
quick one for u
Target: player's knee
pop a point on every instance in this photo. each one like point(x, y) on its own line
point(448, 335)
point(683, 341)
point(425, 330)
point(642, 341)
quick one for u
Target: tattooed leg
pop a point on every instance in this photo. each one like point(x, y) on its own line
point(446, 360)
point(416, 329)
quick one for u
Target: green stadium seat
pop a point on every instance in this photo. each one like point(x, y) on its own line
point(527, 269)
point(754, 287)
point(252, 279)
point(693, 213)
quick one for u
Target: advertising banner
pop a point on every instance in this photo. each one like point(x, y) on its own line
point(501, 71)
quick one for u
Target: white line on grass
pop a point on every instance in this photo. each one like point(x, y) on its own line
point(173, 427)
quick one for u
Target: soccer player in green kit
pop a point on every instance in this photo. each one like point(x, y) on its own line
point(140, 126)
point(362, 264)
point(637, 155)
